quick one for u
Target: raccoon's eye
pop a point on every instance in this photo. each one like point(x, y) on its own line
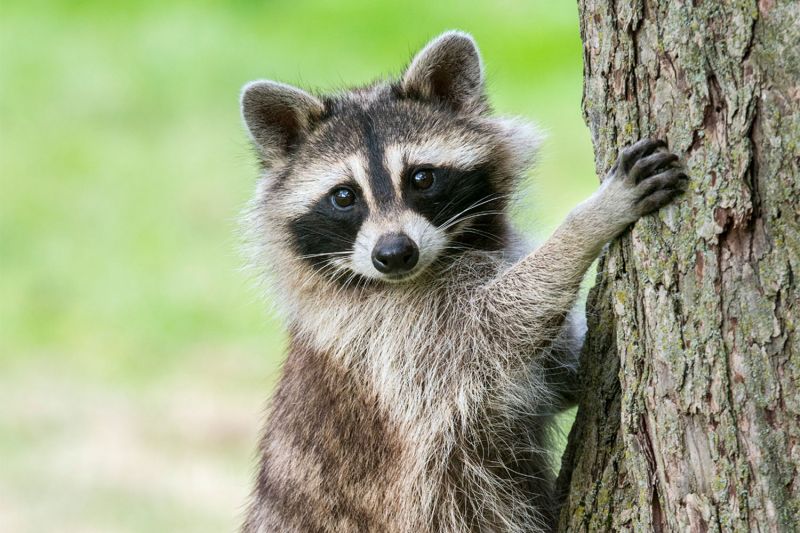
point(343, 198)
point(423, 178)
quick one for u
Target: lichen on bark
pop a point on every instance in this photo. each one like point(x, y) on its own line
point(690, 417)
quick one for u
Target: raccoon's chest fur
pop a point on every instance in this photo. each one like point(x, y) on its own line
point(398, 412)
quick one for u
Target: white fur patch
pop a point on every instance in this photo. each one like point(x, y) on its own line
point(428, 238)
point(457, 152)
point(358, 170)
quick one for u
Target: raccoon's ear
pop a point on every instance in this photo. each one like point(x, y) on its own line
point(448, 69)
point(277, 116)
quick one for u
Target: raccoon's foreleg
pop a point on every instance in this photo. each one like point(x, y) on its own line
point(528, 303)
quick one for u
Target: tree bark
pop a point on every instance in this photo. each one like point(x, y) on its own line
point(690, 417)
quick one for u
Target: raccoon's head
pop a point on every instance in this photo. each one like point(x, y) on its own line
point(389, 181)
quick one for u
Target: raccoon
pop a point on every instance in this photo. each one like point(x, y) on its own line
point(429, 348)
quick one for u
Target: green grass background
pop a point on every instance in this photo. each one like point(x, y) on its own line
point(135, 355)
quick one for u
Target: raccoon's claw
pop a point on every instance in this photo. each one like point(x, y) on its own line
point(647, 167)
point(629, 156)
point(658, 190)
point(644, 178)
point(654, 174)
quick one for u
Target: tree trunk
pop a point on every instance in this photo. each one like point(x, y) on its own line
point(690, 418)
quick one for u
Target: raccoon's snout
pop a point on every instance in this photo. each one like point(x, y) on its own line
point(395, 253)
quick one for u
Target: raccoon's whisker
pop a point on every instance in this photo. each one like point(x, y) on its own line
point(326, 254)
point(444, 208)
point(344, 282)
point(476, 231)
point(329, 235)
point(453, 217)
point(345, 278)
point(309, 279)
point(486, 234)
point(469, 217)
point(326, 269)
point(333, 238)
point(350, 277)
point(359, 280)
point(482, 201)
point(448, 204)
point(486, 199)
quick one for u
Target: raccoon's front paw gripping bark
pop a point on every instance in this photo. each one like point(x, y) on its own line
point(651, 175)
point(645, 177)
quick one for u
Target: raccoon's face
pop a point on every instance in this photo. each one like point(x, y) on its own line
point(387, 182)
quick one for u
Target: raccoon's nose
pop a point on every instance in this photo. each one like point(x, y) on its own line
point(395, 253)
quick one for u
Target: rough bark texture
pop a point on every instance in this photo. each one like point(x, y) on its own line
point(690, 419)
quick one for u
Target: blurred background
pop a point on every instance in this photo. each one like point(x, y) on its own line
point(136, 356)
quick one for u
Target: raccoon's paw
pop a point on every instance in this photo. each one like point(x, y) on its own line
point(645, 177)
